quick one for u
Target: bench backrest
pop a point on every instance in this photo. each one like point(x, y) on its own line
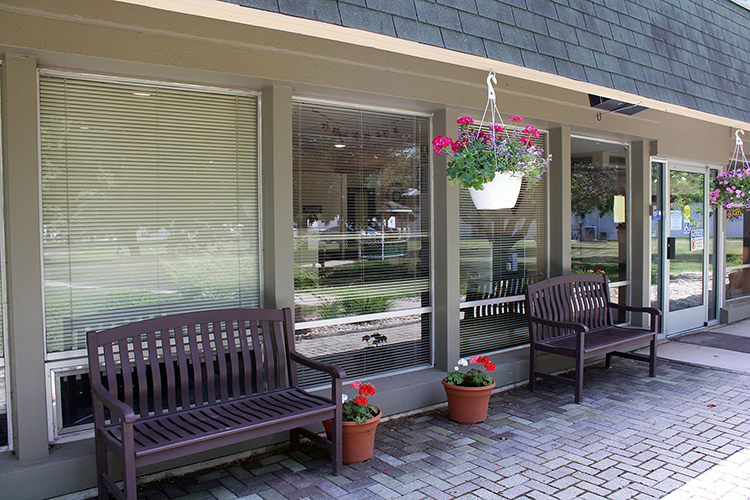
point(194, 359)
point(576, 298)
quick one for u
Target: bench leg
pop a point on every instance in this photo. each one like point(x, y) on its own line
point(128, 477)
point(579, 379)
point(337, 439)
point(294, 440)
point(102, 469)
point(608, 363)
point(652, 359)
point(532, 370)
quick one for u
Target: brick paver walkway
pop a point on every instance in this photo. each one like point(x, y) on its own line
point(682, 435)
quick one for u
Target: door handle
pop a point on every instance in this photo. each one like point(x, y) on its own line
point(671, 244)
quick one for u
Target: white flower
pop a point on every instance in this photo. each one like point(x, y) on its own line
point(463, 362)
point(344, 398)
point(455, 368)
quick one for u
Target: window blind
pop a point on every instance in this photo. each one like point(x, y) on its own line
point(361, 225)
point(149, 203)
point(500, 252)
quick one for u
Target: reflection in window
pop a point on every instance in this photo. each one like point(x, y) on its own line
point(149, 203)
point(361, 225)
point(500, 252)
point(598, 205)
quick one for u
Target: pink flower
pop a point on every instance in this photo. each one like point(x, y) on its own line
point(356, 384)
point(465, 120)
point(440, 142)
point(516, 118)
point(526, 141)
point(532, 131)
point(498, 128)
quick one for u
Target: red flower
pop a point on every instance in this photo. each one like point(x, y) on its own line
point(367, 389)
point(490, 366)
point(465, 120)
point(360, 400)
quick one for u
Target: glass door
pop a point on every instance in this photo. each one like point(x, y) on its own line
point(687, 267)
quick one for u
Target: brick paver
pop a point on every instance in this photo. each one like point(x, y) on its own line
point(682, 435)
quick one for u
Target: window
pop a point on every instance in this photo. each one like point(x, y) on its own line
point(599, 187)
point(500, 252)
point(149, 203)
point(361, 226)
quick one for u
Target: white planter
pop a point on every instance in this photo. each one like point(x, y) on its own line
point(500, 192)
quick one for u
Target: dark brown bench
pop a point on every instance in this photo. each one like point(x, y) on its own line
point(572, 316)
point(178, 385)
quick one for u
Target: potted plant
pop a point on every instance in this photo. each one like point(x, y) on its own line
point(360, 418)
point(469, 392)
point(487, 160)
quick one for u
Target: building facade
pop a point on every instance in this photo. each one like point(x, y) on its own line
point(162, 156)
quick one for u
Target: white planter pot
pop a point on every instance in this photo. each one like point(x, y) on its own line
point(500, 192)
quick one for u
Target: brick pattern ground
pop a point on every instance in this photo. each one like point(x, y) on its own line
point(682, 435)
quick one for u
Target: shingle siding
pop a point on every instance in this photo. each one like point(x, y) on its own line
point(684, 52)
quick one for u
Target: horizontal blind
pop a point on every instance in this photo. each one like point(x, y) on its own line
point(149, 201)
point(500, 252)
point(361, 223)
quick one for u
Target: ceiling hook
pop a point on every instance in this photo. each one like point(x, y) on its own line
point(737, 135)
point(490, 89)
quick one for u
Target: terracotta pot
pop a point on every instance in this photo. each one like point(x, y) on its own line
point(501, 192)
point(468, 405)
point(359, 439)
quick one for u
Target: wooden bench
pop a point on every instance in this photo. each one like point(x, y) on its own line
point(178, 385)
point(572, 316)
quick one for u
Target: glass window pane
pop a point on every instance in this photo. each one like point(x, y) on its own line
point(149, 203)
point(500, 251)
point(599, 186)
point(361, 226)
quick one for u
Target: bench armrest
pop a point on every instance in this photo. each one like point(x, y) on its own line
point(333, 370)
point(655, 313)
point(651, 310)
point(116, 406)
point(578, 327)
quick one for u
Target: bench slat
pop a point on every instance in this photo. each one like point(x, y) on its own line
point(155, 373)
point(221, 359)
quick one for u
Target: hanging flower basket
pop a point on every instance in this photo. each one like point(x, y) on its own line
point(480, 153)
point(731, 189)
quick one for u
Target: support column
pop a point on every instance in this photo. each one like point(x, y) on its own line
point(21, 188)
point(559, 202)
point(640, 226)
point(445, 246)
point(277, 191)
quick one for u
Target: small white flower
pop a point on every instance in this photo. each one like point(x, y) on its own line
point(463, 362)
point(344, 398)
point(455, 368)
